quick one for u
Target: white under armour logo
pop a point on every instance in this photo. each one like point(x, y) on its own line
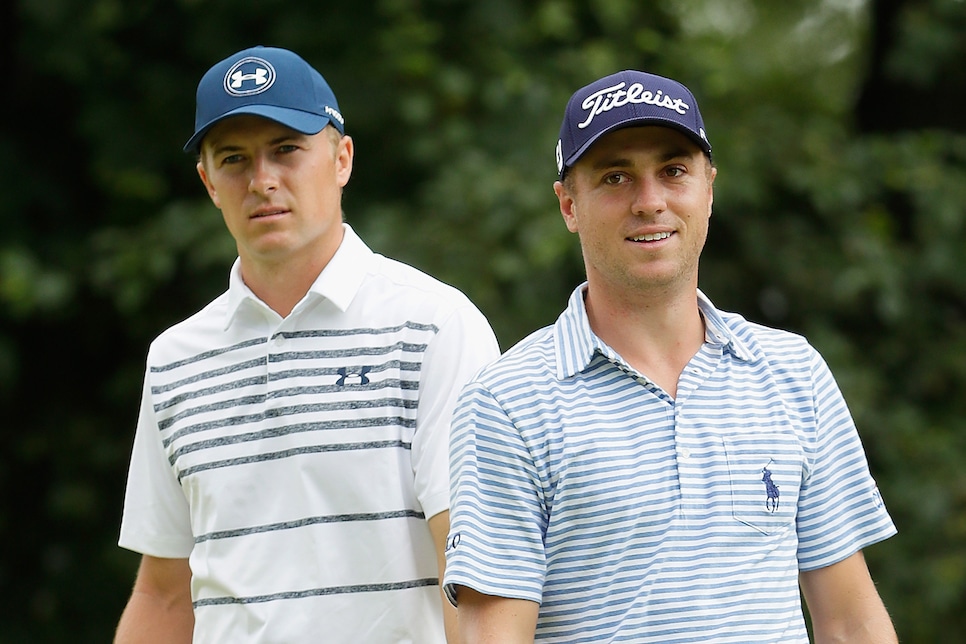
point(249, 75)
point(260, 77)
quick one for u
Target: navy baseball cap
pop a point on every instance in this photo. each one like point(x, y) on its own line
point(274, 83)
point(621, 100)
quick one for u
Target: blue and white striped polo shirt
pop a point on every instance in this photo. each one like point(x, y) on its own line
point(295, 461)
point(632, 516)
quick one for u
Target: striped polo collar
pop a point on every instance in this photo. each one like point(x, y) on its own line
point(576, 344)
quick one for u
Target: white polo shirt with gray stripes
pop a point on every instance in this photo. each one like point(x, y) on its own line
point(295, 461)
point(631, 516)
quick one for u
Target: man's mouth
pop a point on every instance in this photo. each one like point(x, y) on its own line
point(651, 237)
point(267, 213)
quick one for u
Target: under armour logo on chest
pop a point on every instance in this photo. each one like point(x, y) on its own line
point(345, 374)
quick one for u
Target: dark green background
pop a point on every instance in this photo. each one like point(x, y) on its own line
point(840, 213)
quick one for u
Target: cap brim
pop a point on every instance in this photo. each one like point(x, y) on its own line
point(638, 121)
point(300, 121)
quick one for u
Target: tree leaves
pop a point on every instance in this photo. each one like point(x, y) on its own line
point(840, 212)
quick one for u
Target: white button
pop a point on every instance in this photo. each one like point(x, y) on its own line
point(684, 453)
point(279, 340)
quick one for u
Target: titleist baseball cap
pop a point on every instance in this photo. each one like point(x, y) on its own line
point(274, 83)
point(621, 100)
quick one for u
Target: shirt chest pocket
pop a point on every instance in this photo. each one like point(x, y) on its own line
point(765, 471)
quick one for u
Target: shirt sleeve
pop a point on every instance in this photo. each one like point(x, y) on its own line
point(840, 508)
point(464, 344)
point(156, 519)
point(498, 514)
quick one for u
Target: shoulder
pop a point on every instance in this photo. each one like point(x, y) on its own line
point(381, 284)
point(531, 362)
point(394, 291)
point(410, 282)
point(783, 355)
point(768, 343)
point(200, 331)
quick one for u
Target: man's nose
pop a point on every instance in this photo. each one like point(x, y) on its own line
point(264, 178)
point(649, 197)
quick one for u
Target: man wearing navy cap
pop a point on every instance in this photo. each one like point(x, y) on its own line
point(289, 477)
point(650, 468)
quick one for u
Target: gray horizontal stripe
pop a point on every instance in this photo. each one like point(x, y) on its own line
point(316, 372)
point(402, 385)
point(275, 412)
point(320, 333)
point(408, 347)
point(299, 451)
point(208, 391)
point(405, 385)
point(317, 592)
point(273, 432)
point(283, 356)
point(209, 354)
point(261, 379)
point(334, 333)
point(291, 525)
point(245, 401)
point(207, 375)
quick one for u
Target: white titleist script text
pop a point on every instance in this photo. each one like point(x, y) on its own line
point(616, 96)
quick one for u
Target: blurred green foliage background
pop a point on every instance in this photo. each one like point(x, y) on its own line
point(840, 213)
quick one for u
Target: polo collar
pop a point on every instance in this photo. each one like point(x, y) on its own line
point(338, 282)
point(576, 344)
point(718, 333)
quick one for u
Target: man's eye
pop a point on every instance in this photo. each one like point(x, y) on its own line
point(283, 149)
point(231, 159)
point(614, 179)
point(675, 172)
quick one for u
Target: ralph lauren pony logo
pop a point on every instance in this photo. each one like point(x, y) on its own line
point(771, 490)
point(345, 374)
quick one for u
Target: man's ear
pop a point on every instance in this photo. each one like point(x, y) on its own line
point(344, 155)
point(568, 208)
point(711, 176)
point(208, 186)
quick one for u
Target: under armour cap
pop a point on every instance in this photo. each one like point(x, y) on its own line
point(624, 99)
point(265, 81)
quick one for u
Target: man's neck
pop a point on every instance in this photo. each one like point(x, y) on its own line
point(657, 334)
point(284, 284)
